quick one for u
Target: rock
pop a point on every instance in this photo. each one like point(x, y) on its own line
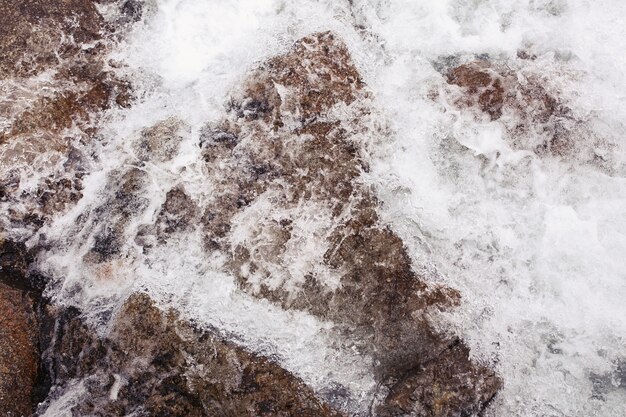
point(32, 32)
point(440, 388)
point(124, 201)
point(51, 122)
point(295, 221)
point(481, 84)
point(14, 263)
point(22, 380)
point(160, 142)
point(288, 164)
point(536, 118)
point(19, 353)
point(153, 363)
point(133, 9)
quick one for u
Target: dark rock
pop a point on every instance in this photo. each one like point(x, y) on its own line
point(133, 9)
point(19, 354)
point(152, 363)
point(537, 119)
point(441, 387)
point(125, 200)
point(14, 263)
point(178, 212)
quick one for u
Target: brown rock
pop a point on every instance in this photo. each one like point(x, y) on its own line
point(482, 85)
point(537, 119)
point(152, 363)
point(286, 167)
point(56, 117)
point(31, 32)
point(160, 142)
point(19, 355)
point(288, 184)
point(443, 387)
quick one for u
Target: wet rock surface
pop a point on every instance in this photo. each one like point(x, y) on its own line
point(440, 388)
point(535, 116)
point(299, 227)
point(47, 122)
point(289, 162)
point(289, 211)
point(151, 363)
point(19, 334)
point(19, 354)
point(32, 32)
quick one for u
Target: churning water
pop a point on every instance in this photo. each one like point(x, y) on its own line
point(535, 242)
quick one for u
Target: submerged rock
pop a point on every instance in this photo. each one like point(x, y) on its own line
point(301, 227)
point(34, 34)
point(290, 213)
point(535, 117)
point(19, 352)
point(50, 122)
point(152, 363)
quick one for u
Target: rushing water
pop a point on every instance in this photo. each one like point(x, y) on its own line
point(536, 243)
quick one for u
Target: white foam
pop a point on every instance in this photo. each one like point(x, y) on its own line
point(536, 245)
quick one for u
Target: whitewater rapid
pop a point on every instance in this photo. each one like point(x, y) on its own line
point(536, 244)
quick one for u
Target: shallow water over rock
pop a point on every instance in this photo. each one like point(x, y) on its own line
point(358, 208)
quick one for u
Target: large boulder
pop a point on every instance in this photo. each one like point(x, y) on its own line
point(152, 363)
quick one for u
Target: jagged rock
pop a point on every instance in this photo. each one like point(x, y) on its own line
point(52, 121)
point(536, 118)
point(287, 162)
point(19, 354)
point(152, 363)
point(299, 227)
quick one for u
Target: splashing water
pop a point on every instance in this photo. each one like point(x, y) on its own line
point(536, 243)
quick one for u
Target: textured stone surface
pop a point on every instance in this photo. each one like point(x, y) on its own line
point(288, 159)
point(533, 114)
point(47, 123)
point(19, 354)
point(32, 32)
point(481, 84)
point(20, 374)
point(290, 213)
point(151, 363)
point(444, 387)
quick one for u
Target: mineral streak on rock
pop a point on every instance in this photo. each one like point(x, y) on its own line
point(288, 163)
point(152, 363)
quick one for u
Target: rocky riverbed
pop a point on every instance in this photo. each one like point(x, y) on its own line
point(287, 209)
